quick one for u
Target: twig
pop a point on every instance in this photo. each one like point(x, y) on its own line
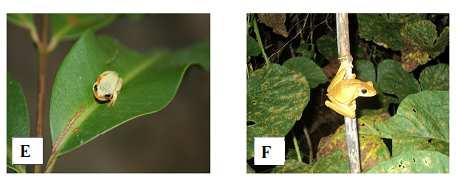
point(352, 141)
point(43, 57)
point(293, 38)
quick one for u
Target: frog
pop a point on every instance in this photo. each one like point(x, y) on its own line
point(107, 87)
point(342, 93)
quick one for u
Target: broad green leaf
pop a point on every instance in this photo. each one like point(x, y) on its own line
point(292, 166)
point(404, 145)
point(423, 115)
point(419, 37)
point(365, 70)
point(277, 97)
point(392, 79)
point(370, 119)
point(372, 148)
point(336, 162)
point(435, 77)
point(420, 34)
point(381, 30)
point(149, 83)
point(253, 47)
point(414, 162)
point(305, 66)
point(327, 46)
point(18, 120)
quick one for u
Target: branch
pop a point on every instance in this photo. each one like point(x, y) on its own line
point(43, 57)
point(352, 140)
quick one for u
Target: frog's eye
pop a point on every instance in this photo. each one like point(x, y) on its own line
point(95, 87)
point(108, 96)
point(364, 91)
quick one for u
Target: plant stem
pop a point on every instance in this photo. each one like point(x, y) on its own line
point(297, 149)
point(352, 140)
point(310, 145)
point(43, 56)
point(259, 40)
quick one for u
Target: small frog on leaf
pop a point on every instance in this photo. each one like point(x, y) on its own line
point(107, 86)
point(343, 92)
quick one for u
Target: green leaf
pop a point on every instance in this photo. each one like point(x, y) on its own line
point(25, 21)
point(71, 26)
point(18, 120)
point(423, 115)
point(414, 162)
point(404, 145)
point(253, 47)
point(292, 166)
point(22, 20)
point(277, 97)
point(421, 34)
point(381, 30)
point(435, 77)
point(392, 79)
point(370, 119)
point(149, 83)
point(441, 43)
point(305, 66)
point(336, 162)
point(305, 50)
point(365, 70)
point(327, 46)
point(372, 148)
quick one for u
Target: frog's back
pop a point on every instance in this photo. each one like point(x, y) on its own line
point(346, 90)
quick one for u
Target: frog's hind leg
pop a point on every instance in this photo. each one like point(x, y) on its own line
point(341, 109)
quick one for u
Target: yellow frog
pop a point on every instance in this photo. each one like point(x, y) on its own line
point(343, 92)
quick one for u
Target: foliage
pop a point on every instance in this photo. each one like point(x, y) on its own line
point(404, 128)
point(415, 36)
point(18, 124)
point(276, 99)
point(77, 118)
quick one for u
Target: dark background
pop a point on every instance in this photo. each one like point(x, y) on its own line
point(175, 139)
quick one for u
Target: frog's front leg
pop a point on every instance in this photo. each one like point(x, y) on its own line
point(340, 108)
point(113, 100)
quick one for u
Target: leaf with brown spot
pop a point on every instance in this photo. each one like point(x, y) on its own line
point(276, 99)
point(275, 21)
point(419, 161)
point(372, 148)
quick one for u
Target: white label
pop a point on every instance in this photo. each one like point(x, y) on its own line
point(27, 150)
point(269, 151)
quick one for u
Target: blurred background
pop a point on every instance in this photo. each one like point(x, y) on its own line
point(175, 139)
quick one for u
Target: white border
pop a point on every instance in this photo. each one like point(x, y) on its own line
point(228, 79)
